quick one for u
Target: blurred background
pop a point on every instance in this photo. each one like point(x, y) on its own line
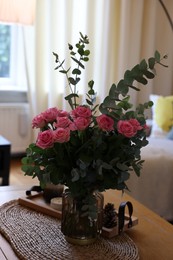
point(121, 34)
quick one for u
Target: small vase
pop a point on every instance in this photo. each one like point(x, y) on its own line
point(82, 221)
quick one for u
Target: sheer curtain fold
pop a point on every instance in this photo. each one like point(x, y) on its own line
point(121, 33)
point(61, 23)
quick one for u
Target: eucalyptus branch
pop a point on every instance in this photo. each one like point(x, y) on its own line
point(63, 69)
point(167, 13)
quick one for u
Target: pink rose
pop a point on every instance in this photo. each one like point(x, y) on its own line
point(45, 139)
point(63, 122)
point(38, 121)
point(146, 127)
point(61, 135)
point(62, 113)
point(135, 123)
point(125, 128)
point(105, 122)
point(82, 123)
point(81, 111)
point(72, 127)
point(50, 114)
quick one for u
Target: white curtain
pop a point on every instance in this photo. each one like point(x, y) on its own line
point(121, 33)
point(59, 23)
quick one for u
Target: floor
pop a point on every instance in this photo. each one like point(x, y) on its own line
point(17, 176)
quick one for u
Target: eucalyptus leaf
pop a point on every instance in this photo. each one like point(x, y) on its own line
point(142, 80)
point(87, 52)
point(75, 175)
point(143, 65)
point(76, 71)
point(91, 92)
point(78, 62)
point(149, 74)
point(151, 62)
point(60, 65)
point(157, 56)
point(91, 83)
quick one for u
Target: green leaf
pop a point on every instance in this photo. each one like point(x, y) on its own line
point(128, 77)
point(27, 160)
point(85, 59)
point(70, 96)
point(157, 56)
point(56, 57)
point(60, 65)
point(78, 62)
point(76, 71)
point(87, 52)
point(75, 175)
point(143, 65)
point(122, 88)
point(125, 105)
point(63, 71)
point(149, 74)
point(91, 92)
point(150, 103)
point(74, 81)
point(84, 39)
point(113, 92)
point(141, 80)
point(124, 176)
point(122, 166)
point(89, 102)
point(151, 62)
point(78, 45)
point(91, 83)
point(70, 47)
point(109, 102)
point(81, 51)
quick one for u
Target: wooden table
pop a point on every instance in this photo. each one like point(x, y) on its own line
point(153, 235)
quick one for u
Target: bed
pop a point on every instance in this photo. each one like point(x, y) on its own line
point(154, 188)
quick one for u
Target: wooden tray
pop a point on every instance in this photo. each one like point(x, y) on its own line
point(36, 202)
point(112, 232)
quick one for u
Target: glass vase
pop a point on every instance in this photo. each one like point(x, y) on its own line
point(82, 218)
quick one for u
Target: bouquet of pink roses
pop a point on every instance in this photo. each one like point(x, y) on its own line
point(57, 125)
point(91, 147)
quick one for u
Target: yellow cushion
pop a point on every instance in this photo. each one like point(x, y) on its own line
point(164, 112)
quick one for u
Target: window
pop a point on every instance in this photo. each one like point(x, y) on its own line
point(12, 63)
point(5, 43)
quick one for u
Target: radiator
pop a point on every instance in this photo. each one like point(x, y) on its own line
point(15, 125)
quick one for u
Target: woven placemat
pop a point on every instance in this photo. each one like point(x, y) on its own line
point(33, 235)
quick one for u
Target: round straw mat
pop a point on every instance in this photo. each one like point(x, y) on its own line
point(33, 235)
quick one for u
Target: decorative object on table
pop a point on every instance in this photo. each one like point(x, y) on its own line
point(56, 203)
point(91, 147)
point(33, 235)
point(75, 223)
point(115, 222)
point(38, 203)
point(50, 191)
point(121, 215)
point(109, 216)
